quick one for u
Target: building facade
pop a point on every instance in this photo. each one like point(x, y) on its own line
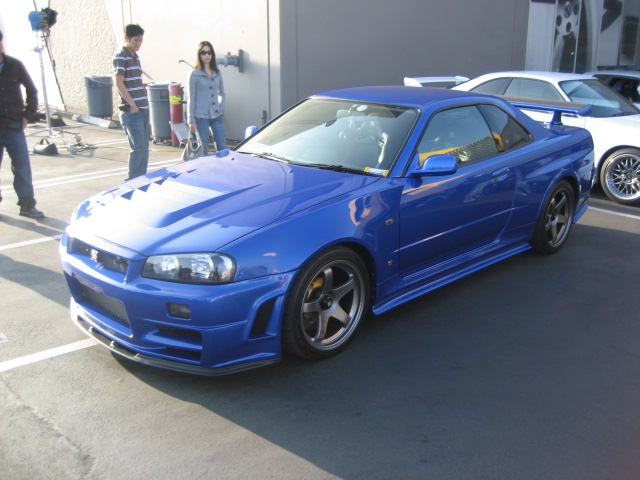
point(290, 49)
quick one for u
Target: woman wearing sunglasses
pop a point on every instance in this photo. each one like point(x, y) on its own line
point(207, 98)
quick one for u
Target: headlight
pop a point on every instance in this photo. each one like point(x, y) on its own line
point(211, 268)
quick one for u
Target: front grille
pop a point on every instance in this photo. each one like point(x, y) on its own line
point(110, 305)
point(105, 259)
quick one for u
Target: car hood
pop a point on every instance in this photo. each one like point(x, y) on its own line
point(204, 204)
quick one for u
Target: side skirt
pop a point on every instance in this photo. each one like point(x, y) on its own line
point(439, 281)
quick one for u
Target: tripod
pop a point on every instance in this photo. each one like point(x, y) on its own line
point(40, 45)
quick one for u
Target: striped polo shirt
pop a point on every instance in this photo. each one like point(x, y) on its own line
point(128, 64)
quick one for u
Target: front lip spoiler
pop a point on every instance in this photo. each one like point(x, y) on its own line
point(122, 351)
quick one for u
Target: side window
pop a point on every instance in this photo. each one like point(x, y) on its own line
point(461, 132)
point(507, 132)
point(492, 87)
point(525, 87)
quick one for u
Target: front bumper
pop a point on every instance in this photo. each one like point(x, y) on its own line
point(79, 316)
point(230, 327)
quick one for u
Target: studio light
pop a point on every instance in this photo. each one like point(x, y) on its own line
point(43, 20)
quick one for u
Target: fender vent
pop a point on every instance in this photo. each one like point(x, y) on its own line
point(261, 322)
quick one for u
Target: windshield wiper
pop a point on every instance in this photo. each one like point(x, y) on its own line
point(271, 156)
point(334, 168)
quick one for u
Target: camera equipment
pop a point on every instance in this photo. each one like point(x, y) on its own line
point(43, 20)
point(41, 23)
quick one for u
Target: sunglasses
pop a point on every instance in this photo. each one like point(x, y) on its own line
point(206, 52)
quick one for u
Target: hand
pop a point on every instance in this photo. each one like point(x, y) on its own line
point(134, 108)
point(193, 126)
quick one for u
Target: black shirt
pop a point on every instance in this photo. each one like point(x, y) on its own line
point(12, 108)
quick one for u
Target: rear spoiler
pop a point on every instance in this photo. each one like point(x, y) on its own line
point(418, 81)
point(558, 107)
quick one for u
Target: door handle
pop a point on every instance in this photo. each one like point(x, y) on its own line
point(501, 172)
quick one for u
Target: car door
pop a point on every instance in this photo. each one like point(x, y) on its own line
point(442, 217)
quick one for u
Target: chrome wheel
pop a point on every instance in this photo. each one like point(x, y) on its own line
point(328, 302)
point(620, 176)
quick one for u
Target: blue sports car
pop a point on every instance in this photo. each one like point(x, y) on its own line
point(352, 202)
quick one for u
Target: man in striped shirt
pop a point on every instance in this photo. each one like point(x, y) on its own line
point(134, 104)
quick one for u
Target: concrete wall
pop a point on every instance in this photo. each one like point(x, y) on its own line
point(173, 31)
point(292, 48)
point(81, 42)
point(335, 43)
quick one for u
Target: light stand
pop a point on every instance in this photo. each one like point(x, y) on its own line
point(41, 28)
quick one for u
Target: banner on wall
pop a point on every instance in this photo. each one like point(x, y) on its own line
point(582, 35)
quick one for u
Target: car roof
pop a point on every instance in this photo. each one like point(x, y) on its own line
point(617, 73)
point(400, 95)
point(539, 75)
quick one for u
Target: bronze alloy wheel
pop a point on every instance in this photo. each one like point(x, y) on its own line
point(556, 219)
point(327, 302)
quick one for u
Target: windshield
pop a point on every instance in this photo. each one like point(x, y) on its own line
point(605, 101)
point(336, 134)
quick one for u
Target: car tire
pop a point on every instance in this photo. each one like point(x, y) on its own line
point(556, 219)
point(327, 302)
point(620, 176)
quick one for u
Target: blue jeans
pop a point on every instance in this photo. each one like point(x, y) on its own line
point(137, 127)
point(217, 126)
point(15, 143)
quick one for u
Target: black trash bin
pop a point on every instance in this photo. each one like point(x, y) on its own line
point(99, 95)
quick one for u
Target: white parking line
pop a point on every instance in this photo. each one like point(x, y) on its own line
point(52, 182)
point(53, 352)
point(29, 242)
point(620, 214)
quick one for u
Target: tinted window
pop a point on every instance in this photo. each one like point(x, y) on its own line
point(461, 132)
point(493, 87)
point(604, 101)
point(507, 132)
point(525, 87)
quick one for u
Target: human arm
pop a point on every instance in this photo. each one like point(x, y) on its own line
point(31, 106)
point(191, 99)
point(124, 93)
point(222, 94)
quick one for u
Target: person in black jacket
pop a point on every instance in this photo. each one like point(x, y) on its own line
point(14, 116)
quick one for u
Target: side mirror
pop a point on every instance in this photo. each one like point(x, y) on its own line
point(250, 131)
point(439, 164)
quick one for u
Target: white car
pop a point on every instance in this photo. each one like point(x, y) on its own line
point(624, 81)
point(614, 122)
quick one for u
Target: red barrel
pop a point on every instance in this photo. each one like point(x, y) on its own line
point(175, 109)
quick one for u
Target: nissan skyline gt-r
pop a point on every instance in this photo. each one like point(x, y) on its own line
point(353, 201)
point(614, 122)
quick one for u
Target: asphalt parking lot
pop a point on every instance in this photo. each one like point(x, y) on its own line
point(527, 370)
